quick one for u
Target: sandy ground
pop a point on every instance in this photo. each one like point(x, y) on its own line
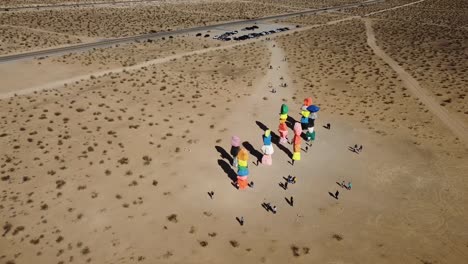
point(431, 48)
point(115, 166)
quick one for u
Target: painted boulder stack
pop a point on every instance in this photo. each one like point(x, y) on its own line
point(283, 128)
point(267, 148)
point(242, 169)
point(305, 113)
point(235, 147)
point(297, 142)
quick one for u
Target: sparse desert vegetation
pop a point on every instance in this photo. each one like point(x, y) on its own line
point(342, 71)
point(97, 126)
point(20, 39)
point(108, 22)
point(431, 44)
point(122, 154)
point(315, 19)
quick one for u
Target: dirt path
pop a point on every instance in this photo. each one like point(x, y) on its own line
point(457, 126)
point(274, 78)
point(393, 8)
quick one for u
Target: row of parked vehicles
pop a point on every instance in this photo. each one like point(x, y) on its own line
point(227, 36)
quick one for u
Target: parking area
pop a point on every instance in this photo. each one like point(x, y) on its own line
point(246, 31)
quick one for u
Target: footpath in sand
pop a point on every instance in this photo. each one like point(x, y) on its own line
point(455, 125)
point(315, 172)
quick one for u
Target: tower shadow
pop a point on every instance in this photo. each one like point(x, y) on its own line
point(232, 175)
point(224, 154)
point(257, 154)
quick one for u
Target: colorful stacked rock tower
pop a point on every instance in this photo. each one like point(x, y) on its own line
point(235, 147)
point(310, 134)
point(267, 148)
point(283, 128)
point(242, 169)
point(305, 113)
point(297, 142)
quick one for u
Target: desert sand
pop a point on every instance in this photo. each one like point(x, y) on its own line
point(108, 155)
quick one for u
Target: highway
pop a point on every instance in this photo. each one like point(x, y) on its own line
point(123, 40)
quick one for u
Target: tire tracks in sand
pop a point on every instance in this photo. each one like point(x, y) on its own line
point(454, 124)
point(393, 8)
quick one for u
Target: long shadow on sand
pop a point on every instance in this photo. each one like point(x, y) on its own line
point(224, 154)
point(275, 139)
point(261, 125)
point(228, 170)
point(257, 154)
point(290, 122)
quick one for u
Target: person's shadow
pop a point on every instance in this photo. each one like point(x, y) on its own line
point(253, 151)
point(224, 154)
point(352, 149)
point(228, 170)
point(240, 221)
point(282, 185)
point(266, 206)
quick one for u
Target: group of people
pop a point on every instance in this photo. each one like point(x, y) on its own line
point(303, 129)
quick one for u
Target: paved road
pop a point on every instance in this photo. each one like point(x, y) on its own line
point(110, 42)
